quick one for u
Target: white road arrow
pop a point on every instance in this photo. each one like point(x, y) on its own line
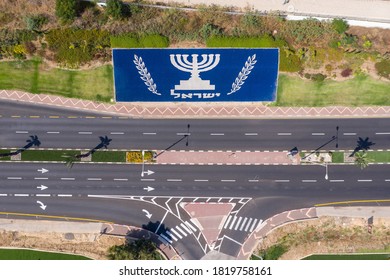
point(43, 206)
point(43, 170)
point(149, 172)
point(147, 213)
point(42, 187)
point(149, 189)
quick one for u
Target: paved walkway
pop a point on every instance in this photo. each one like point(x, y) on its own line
point(205, 110)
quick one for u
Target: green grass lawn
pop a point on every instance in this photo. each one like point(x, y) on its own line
point(379, 156)
point(338, 157)
point(37, 155)
point(350, 257)
point(359, 91)
point(4, 152)
point(31, 76)
point(24, 254)
point(109, 156)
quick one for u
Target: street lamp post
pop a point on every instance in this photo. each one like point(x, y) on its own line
point(326, 171)
point(143, 163)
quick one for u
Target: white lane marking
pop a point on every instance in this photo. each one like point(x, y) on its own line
point(238, 223)
point(148, 179)
point(21, 132)
point(21, 194)
point(149, 133)
point(309, 181)
point(175, 232)
point(336, 181)
point(368, 180)
point(41, 178)
point(251, 134)
point(3, 194)
point(282, 181)
point(186, 228)
point(243, 223)
point(349, 133)
point(171, 235)
point(201, 180)
point(387, 180)
point(42, 195)
point(85, 132)
point(228, 180)
point(181, 231)
point(174, 180)
point(234, 220)
point(67, 179)
point(318, 134)
point(117, 133)
point(183, 134)
point(14, 178)
point(94, 179)
point(227, 222)
point(65, 195)
point(120, 179)
point(166, 238)
point(284, 133)
point(253, 225)
point(249, 223)
point(253, 181)
point(53, 132)
point(382, 133)
point(217, 134)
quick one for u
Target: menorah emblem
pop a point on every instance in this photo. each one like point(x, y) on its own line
point(182, 63)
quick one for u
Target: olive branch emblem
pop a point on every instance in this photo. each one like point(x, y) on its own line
point(244, 73)
point(145, 75)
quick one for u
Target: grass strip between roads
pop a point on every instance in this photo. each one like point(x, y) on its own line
point(5, 152)
point(109, 156)
point(349, 257)
point(377, 157)
point(337, 157)
point(24, 254)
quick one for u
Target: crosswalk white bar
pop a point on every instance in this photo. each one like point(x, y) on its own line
point(175, 232)
point(190, 226)
point(258, 224)
point(253, 225)
point(181, 231)
point(166, 238)
point(234, 220)
point(227, 222)
point(243, 223)
point(238, 223)
point(249, 223)
point(186, 228)
point(171, 235)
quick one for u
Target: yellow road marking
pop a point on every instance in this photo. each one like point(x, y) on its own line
point(352, 201)
point(54, 117)
point(15, 116)
point(106, 117)
point(34, 117)
point(89, 117)
point(72, 117)
point(55, 217)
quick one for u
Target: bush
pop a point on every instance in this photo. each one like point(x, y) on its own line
point(209, 30)
point(346, 72)
point(136, 156)
point(383, 68)
point(131, 40)
point(315, 77)
point(66, 10)
point(274, 252)
point(115, 9)
point(339, 25)
point(36, 22)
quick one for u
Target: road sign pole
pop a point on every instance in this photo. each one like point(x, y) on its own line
point(143, 163)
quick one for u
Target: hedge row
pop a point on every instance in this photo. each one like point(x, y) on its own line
point(288, 61)
point(131, 40)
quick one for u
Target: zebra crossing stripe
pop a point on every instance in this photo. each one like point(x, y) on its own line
point(181, 231)
point(227, 222)
point(186, 228)
point(190, 226)
point(167, 239)
point(258, 225)
point(238, 223)
point(171, 235)
point(234, 220)
point(249, 222)
point(175, 232)
point(243, 223)
point(253, 225)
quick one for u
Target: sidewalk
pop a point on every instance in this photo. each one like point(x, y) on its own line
point(204, 110)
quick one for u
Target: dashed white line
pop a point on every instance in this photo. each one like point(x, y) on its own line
point(282, 181)
point(368, 180)
point(94, 179)
point(53, 132)
point(318, 134)
point(349, 133)
point(117, 133)
point(21, 132)
point(183, 134)
point(67, 179)
point(171, 235)
point(85, 132)
point(227, 180)
point(43, 195)
point(148, 179)
point(21, 194)
point(201, 180)
point(41, 178)
point(253, 181)
point(284, 134)
point(251, 134)
point(65, 195)
point(336, 181)
point(387, 180)
point(309, 181)
point(120, 179)
point(149, 133)
point(217, 134)
point(174, 180)
point(3, 194)
point(14, 178)
point(382, 133)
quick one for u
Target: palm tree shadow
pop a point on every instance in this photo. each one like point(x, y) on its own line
point(362, 145)
point(104, 142)
point(33, 141)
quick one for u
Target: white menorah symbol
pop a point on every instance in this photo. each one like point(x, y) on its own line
point(194, 82)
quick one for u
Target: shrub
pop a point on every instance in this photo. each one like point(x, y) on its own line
point(35, 22)
point(274, 252)
point(339, 25)
point(66, 10)
point(383, 68)
point(209, 30)
point(136, 156)
point(346, 72)
point(115, 9)
point(315, 77)
point(131, 40)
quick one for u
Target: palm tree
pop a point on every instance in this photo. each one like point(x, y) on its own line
point(362, 145)
point(361, 159)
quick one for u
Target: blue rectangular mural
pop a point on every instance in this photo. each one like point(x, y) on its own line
point(195, 75)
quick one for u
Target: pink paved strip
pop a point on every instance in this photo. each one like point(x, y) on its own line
point(216, 110)
point(234, 158)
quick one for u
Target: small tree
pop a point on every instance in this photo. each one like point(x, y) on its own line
point(115, 9)
point(339, 25)
point(361, 159)
point(66, 10)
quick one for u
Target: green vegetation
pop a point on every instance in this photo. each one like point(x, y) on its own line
point(359, 91)
point(361, 159)
point(24, 254)
point(132, 40)
point(31, 76)
point(36, 22)
point(141, 249)
point(337, 157)
point(37, 155)
point(4, 157)
point(136, 156)
point(66, 10)
point(339, 25)
point(115, 9)
point(274, 252)
point(378, 156)
point(383, 68)
point(349, 257)
point(109, 156)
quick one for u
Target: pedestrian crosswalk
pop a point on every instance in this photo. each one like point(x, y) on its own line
point(241, 223)
point(178, 232)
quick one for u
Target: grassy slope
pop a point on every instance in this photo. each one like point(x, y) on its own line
point(349, 257)
point(22, 254)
